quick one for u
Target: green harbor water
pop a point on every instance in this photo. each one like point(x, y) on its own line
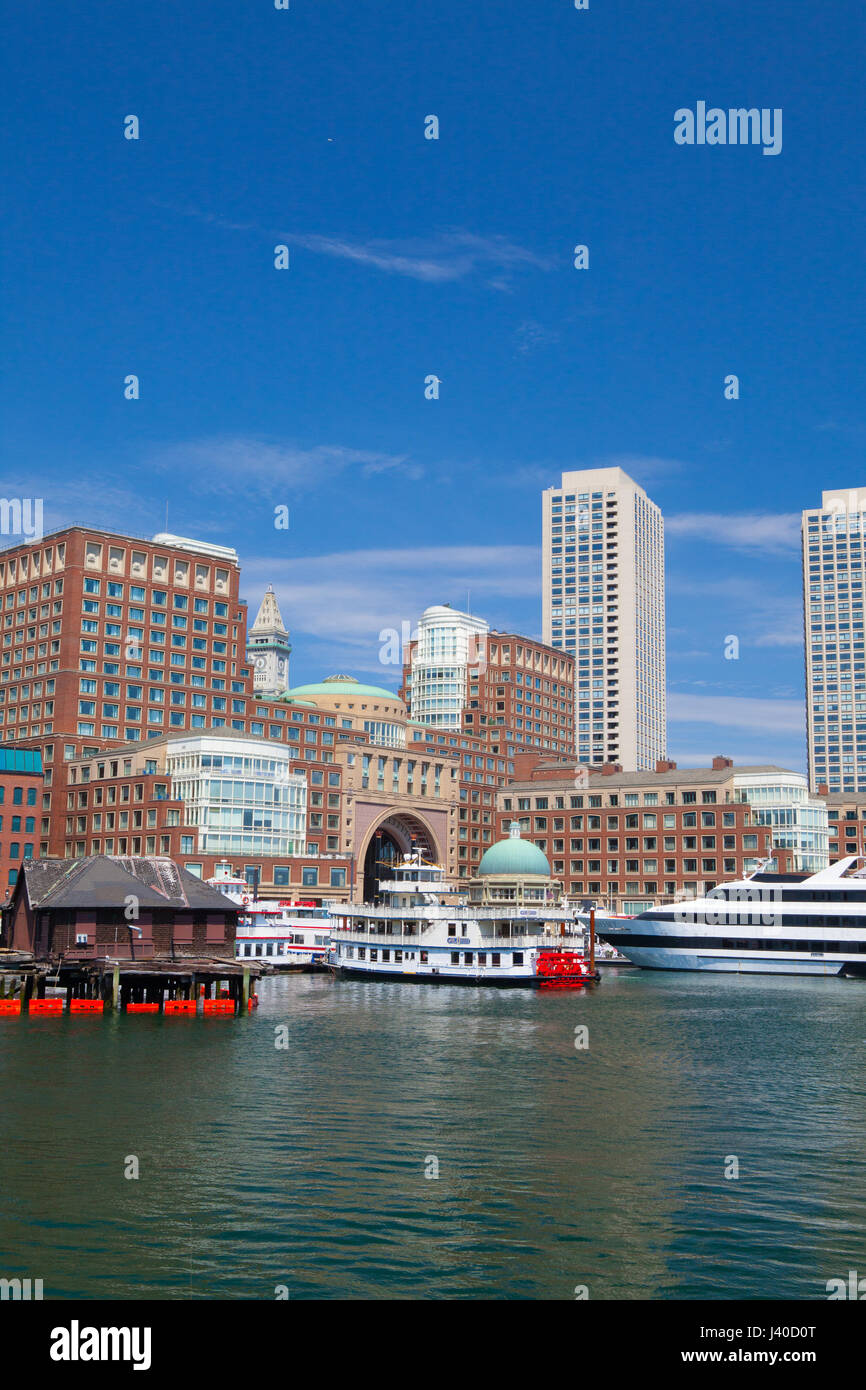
point(558, 1167)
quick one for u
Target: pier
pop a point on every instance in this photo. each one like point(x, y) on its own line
point(119, 983)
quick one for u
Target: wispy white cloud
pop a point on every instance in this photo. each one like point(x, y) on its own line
point(454, 254)
point(345, 599)
point(228, 463)
point(738, 712)
point(445, 256)
point(529, 336)
point(768, 532)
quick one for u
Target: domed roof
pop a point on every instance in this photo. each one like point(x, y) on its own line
point(514, 856)
point(341, 685)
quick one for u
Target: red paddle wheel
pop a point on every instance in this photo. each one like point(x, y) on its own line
point(563, 970)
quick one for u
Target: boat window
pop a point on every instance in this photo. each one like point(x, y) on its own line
point(518, 957)
point(455, 957)
point(494, 959)
point(467, 957)
point(482, 957)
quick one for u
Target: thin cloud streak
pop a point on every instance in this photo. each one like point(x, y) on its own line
point(227, 461)
point(767, 532)
point(738, 712)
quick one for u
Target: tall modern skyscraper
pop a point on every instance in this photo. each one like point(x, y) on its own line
point(833, 564)
point(604, 604)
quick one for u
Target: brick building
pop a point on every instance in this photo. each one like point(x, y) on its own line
point(509, 696)
point(20, 811)
point(631, 840)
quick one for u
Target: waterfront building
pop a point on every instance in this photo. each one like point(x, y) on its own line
point(515, 697)
point(80, 911)
point(833, 538)
point(799, 823)
point(399, 793)
point(20, 811)
point(514, 693)
point(604, 604)
point(450, 645)
point(200, 799)
point(632, 840)
point(268, 649)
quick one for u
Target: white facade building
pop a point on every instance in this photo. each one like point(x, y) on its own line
point(448, 644)
point(834, 535)
point(604, 604)
point(780, 801)
point(241, 794)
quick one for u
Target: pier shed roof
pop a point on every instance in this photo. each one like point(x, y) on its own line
point(103, 880)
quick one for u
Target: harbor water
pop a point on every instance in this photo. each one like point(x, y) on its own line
point(374, 1140)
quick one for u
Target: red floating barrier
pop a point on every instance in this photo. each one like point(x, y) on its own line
point(87, 1006)
point(10, 1006)
point(142, 1008)
point(45, 1006)
point(219, 1006)
point(179, 1006)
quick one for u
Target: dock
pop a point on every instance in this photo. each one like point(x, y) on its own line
point(155, 982)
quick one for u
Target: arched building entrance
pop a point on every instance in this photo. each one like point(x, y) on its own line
point(396, 834)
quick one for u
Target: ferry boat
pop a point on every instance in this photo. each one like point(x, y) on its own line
point(288, 935)
point(514, 931)
point(768, 923)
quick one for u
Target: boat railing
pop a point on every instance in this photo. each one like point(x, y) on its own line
point(439, 912)
point(484, 941)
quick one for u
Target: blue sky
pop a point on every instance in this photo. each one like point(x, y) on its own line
point(410, 257)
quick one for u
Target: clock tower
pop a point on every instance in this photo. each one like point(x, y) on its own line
point(268, 649)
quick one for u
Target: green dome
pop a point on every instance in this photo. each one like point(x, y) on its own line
point(514, 856)
point(340, 685)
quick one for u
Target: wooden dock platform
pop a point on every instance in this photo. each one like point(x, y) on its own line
point(117, 983)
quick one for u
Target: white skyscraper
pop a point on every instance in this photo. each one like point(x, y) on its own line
point(604, 604)
point(833, 570)
point(448, 643)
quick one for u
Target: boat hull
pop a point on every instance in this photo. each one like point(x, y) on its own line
point(442, 977)
point(668, 958)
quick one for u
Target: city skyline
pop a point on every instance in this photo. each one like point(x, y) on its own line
point(304, 388)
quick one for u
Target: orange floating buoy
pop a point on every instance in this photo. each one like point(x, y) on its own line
point(179, 1006)
point(142, 1008)
point(86, 1006)
point(10, 1006)
point(45, 1006)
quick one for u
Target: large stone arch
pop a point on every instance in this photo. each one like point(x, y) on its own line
point(394, 833)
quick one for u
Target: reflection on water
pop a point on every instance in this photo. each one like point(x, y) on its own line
point(558, 1167)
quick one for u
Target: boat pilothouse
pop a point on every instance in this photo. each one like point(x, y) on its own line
point(287, 935)
point(769, 923)
point(423, 930)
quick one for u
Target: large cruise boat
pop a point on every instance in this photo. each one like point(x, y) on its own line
point(769, 923)
point(287, 935)
point(515, 929)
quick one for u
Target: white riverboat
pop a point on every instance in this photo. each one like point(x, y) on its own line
point(287, 934)
point(515, 929)
point(769, 923)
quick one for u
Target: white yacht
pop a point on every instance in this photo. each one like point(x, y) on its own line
point(515, 929)
point(769, 923)
point(288, 935)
